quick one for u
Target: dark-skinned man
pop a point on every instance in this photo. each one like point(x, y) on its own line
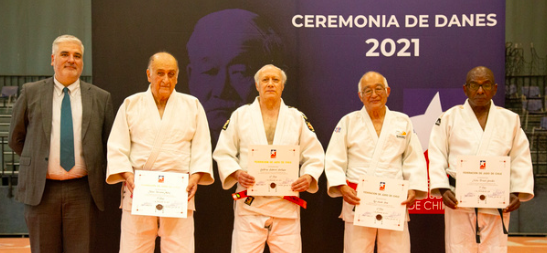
point(478, 128)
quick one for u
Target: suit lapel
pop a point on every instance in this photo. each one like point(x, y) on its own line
point(47, 105)
point(87, 105)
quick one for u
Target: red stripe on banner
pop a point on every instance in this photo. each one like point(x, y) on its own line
point(429, 205)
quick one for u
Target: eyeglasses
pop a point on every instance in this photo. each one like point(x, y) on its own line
point(379, 91)
point(475, 86)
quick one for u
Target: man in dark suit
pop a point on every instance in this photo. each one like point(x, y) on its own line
point(59, 128)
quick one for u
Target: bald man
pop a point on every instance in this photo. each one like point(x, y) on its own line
point(159, 130)
point(478, 128)
point(375, 142)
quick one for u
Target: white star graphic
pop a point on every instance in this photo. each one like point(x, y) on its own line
point(423, 123)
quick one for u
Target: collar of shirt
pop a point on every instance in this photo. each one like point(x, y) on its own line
point(73, 87)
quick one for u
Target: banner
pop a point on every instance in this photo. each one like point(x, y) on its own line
point(423, 47)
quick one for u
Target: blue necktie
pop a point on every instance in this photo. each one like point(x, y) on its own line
point(67, 133)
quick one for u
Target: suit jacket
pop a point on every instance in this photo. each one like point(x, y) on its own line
point(30, 133)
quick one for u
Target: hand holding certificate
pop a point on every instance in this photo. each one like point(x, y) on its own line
point(275, 168)
point(380, 205)
point(161, 194)
point(483, 181)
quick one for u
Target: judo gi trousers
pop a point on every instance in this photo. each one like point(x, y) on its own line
point(358, 239)
point(252, 231)
point(139, 233)
point(460, 232)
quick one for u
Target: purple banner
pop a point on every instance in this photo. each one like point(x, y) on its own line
point(423, 47)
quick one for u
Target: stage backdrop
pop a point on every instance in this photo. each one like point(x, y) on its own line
point(423, 47)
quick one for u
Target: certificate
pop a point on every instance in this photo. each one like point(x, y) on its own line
point(161, 194)
point(275, 168)
point(483, 181)
point(380, 205)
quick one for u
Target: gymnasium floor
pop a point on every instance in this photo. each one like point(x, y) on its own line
point(516, 245)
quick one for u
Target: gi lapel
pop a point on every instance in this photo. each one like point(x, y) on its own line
point(258, 123)
point(380, 140)
point(47, 106)
point(150, 106)
point(280, 130)
point(368, 124)
point(488, 130)
point(469, 116)
point(165, 123)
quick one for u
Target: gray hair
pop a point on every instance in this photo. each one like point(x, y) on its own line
point(359, 84)
point(283, 75)
point(65, 38)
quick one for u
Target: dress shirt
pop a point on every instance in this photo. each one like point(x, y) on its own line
point(55, 171)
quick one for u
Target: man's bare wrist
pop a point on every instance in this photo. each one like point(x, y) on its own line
point(443, 190)
point(236, 174)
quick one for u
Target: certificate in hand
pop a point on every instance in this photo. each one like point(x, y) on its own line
point(380, 205)
point(161, 194)
point(483, 181)
point(275, 168)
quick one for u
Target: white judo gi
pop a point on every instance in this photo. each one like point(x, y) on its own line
point(355, 149)
point(457, 132)
point(181, 141)
point(245, 128)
